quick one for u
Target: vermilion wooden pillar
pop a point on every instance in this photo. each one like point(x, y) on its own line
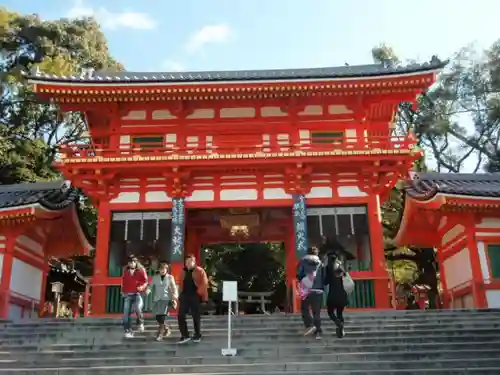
point(290, 268)
point(8, 259)
point(478, 291)
point(99, 279)
point(381, 278)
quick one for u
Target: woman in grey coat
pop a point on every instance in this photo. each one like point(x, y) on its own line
point(165, 295)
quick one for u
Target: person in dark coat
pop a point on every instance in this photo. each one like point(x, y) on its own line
point(336, 300)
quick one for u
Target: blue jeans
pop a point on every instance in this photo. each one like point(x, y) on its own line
point(135, 302)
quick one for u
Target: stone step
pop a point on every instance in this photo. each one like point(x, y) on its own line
point(261, 366)
point(284, 349)
point(257, 343)
point(243, 329)
point(213, 359)
point(251, 324)
point(275, 334)
point(354, 316)
point(450, 371)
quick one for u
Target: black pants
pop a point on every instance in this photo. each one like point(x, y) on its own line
point(189, 303)
point(336, 314)
point(312, 302)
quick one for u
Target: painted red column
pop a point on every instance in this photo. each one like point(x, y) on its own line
point(442, 278)
point(290, 268)
point(43, 292)
point(99, 279)
point(477, 283)
point(8, 259)
point(381, 278)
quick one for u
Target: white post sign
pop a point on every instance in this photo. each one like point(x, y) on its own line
point(229, 295)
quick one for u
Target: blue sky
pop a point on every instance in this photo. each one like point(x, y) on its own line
point(151, 35)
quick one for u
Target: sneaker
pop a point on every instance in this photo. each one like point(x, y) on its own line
point(310, 331)
point(167, 333)
point(318, 336)
point(129, 335)
point(184, 340)
point(196, 338)
point(159, 338)
point(140, 328)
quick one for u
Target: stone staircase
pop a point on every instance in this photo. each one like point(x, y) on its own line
point(394, 342)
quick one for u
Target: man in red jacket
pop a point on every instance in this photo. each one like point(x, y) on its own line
point(134, 284)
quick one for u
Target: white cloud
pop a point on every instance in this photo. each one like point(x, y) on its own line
point(173, 66)
point(112, 20)
point(207, 35)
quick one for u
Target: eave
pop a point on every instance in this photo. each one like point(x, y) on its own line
point(101, 91)
point(411, 231)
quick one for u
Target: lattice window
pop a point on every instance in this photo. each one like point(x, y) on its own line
point(150, 141)
point(327, 137)
point(494, 261)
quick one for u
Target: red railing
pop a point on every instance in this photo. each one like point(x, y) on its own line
point(29, 305)
point(238, 145)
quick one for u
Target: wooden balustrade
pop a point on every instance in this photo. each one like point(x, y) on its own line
point(234, 146)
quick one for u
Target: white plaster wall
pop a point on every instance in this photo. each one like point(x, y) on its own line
point(128, 197)
point(493, 298)
point(201, 196)
point(30, 244)
point(483, 260)
point(276, 193)
point(157, 196)
point(452, 234)
point(26, 279)
point(350, 191)
point(458, 269)
point(488, 223)
point(320, 192)
point(238, 194)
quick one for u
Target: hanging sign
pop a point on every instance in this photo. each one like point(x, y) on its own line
point(178, 226)
point(299, 211)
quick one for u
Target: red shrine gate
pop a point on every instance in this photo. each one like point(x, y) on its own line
point(315, 145)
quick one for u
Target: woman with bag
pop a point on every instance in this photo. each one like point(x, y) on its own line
point(336, 300)
point(165, 295)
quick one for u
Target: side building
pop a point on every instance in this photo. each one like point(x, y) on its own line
point(459, 214)
point(37, 221)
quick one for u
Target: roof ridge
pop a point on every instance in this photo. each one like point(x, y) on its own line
point(33, 186)
point(344, 71)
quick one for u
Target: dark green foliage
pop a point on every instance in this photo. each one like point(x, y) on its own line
point(32, 131)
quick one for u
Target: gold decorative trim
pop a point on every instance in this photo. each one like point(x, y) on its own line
point(257, 155)
point(391, 86)
point(123, 97)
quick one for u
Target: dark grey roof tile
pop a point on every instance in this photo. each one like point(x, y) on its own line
point(54, 195)
point(424, 186)
point(349, 71)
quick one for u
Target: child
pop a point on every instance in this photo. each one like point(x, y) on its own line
point(165, 295)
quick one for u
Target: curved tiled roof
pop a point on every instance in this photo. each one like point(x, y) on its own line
point(347, 71)
point(53, 195)
point(424, 186)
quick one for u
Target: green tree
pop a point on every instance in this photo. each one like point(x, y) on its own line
point(32, 131)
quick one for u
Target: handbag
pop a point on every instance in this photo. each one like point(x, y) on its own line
point(348, 283)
